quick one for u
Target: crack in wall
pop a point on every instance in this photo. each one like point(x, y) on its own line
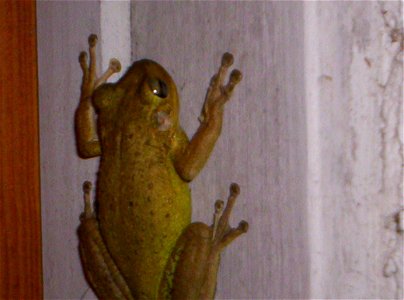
point(393, 46)
point(395, 50)
point(390, 134)
point(393, 266)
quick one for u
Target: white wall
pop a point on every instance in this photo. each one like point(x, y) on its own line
point(354, 92)
point(63, 28)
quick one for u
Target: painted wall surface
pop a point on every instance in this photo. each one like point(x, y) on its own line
point(263, 144)
point(354, 96)
point(63, 28)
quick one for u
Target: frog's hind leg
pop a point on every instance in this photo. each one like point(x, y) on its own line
point(191, 271)
point(99, 268)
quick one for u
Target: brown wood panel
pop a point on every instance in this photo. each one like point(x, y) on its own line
point(20, 234)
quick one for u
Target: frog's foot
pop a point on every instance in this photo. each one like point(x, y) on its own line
point(218, 93)
point(191, 271)
point(99, 268)
point(222, 233)
point(90, 81)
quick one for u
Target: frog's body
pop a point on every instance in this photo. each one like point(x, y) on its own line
point(132, 248)
point(138, 182)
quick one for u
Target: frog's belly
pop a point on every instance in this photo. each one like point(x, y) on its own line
point(143, 209)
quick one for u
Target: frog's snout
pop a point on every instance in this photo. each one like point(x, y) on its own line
point(163, 120)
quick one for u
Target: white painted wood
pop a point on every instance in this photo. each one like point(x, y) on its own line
point(63, 28)
point(354, 91)
point(115, 33)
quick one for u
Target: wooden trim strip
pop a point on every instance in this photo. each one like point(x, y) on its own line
point(20, 221)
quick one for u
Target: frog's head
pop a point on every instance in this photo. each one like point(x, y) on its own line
point(146, 88)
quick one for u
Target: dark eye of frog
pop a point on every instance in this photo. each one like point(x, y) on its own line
point(158, 87)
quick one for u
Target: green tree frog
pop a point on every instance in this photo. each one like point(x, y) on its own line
point(139, 242)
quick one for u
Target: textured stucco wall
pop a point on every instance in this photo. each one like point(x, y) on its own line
point(354, 92)
point(262, 146)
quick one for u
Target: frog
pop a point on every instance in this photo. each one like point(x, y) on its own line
point(137, 240)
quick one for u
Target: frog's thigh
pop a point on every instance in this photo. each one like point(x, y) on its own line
point(99, 268)
point(195, 262)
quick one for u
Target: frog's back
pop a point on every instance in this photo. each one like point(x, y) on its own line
point(143, 204)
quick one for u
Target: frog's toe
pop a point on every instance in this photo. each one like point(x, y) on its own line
point(83, 57)
point(88, 210)
point(234, 190)
point(84, 66)
point(219, 205)
point(114, 67)
point(243, 226)
point(92, 40)
point(235, 77)
point(234, 233)
point(227, 59)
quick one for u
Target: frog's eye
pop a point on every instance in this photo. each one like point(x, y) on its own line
point(158, 87)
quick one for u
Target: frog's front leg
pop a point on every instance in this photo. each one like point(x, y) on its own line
point(197, 152)
point(100, 270)
point(87, 144)
point(192, 269)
